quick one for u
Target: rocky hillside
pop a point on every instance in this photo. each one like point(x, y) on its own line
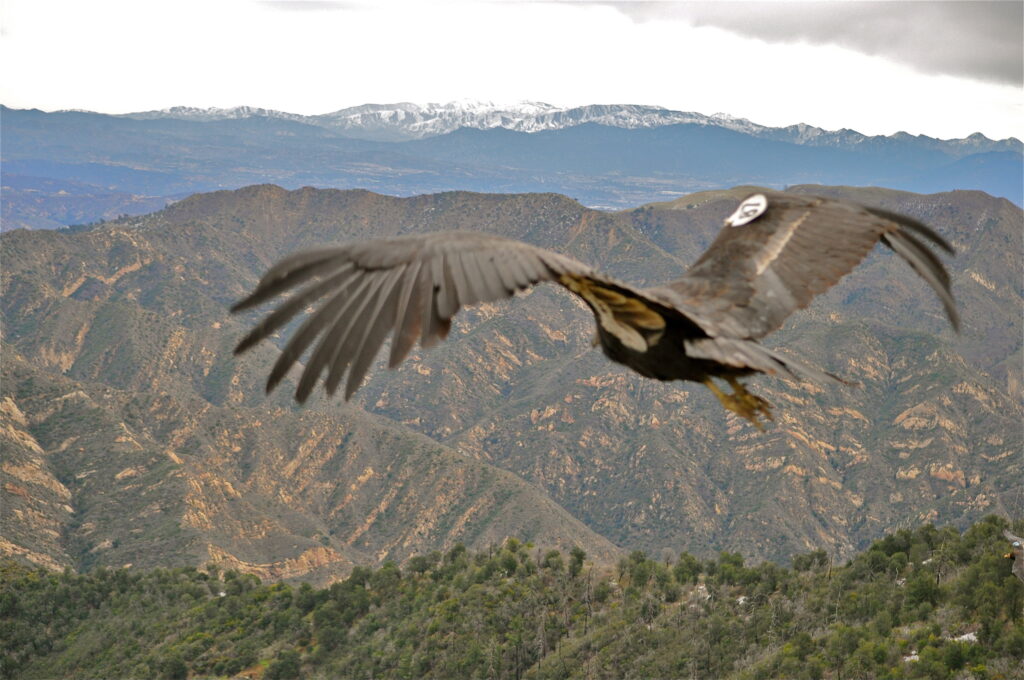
point(136, 438)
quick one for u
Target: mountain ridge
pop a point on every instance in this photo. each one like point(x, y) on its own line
point(78, 167)
point(124, 347)
point(407, 120)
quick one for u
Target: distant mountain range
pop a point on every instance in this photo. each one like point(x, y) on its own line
point(131, 435)
point(405, 120)
point(78, 167)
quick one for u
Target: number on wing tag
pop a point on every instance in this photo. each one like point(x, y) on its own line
point(750, 209)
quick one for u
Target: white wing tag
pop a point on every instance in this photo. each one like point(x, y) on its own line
point(750, 209)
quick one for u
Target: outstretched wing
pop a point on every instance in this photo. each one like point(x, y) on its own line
point(410, 286)
point(780, 250)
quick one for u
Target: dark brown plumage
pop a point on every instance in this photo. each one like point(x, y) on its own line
point(776, 252)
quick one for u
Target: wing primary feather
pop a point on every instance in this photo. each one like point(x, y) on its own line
point(431, 300)
point(447, 301)
point(934, 264)
point(914, 225)
point(506, 274)
point(462, 273)
point(516, 267)
point(338, 328)
point(293, 306)
point(408, 316)
point(357, 319)
point(554, 263)
point(305, 335)
point(538, 267)
point(362, 322)
point(301, 259)
point(288, 273)
point(381, 322)
point(453, 301)
point(489, 286)
point(530, 267)
point(909, 251)
point(437, 331)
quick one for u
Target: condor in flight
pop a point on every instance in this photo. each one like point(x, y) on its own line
point(775, 253)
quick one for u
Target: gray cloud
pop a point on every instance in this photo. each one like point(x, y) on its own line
point(980, 40)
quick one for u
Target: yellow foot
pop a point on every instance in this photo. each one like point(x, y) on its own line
point(741, 402)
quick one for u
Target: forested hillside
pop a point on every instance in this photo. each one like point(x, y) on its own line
point(928, 603)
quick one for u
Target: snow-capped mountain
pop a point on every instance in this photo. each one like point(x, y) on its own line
point(606, 156)
point(214, 113)
point(412, 121)
point(405, 121)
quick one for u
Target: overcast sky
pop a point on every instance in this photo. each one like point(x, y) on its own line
point(946, 69)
